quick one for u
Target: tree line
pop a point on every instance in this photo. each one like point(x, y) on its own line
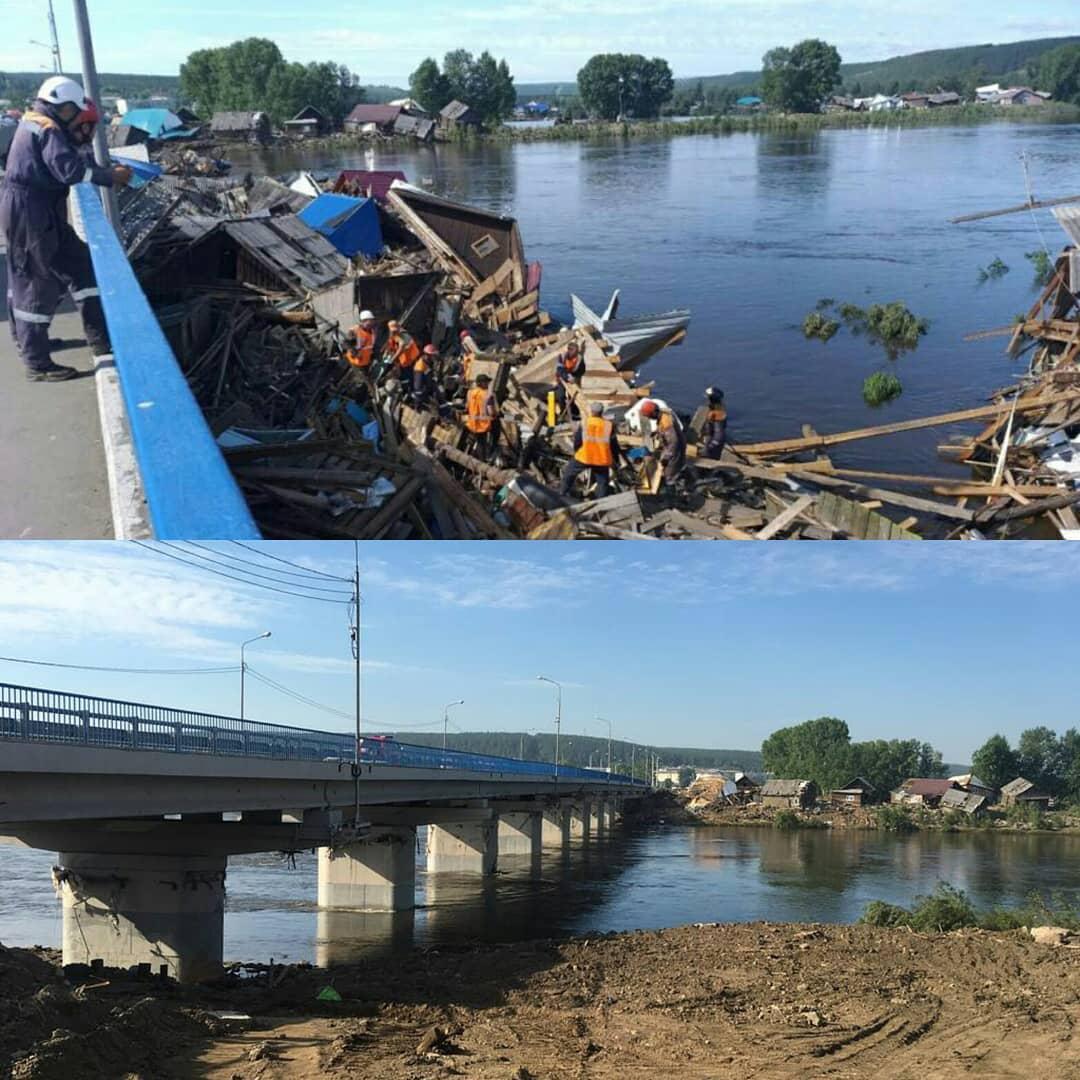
point(821, 750)
point(1051, 762)
point(252, 76)
point(482, 83)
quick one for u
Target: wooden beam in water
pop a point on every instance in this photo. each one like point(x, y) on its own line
point(1033, 204)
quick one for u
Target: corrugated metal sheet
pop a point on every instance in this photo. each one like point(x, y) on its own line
point(380, 115)
point(784, 788)
point(291, 249)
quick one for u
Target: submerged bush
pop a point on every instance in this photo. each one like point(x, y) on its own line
point(816, 325)
point(1042, 264)
point(880, 387)
point(895, 326)
point(995, 269)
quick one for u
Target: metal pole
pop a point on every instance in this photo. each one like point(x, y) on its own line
point(90, 85)
point(58, 65)
point(558, 725)
point(633, 761)
point(357, 666)
point(446, 719)
point(243, 666)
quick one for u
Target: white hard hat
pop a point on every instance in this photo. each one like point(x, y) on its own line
point(59, 90)
point(365, 315)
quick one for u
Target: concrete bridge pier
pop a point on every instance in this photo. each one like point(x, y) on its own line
point(463, 847)
point(555, 827)
point(599, 819)
point(167, 911)
point(520, 839)
point(374, 873)
point(581, 821)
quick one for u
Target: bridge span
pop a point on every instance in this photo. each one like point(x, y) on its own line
point(144, 804)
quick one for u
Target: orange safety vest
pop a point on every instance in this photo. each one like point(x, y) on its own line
point(479, 419)
point(408, 355)
point(665, 421)
point(362, 355)
point(595, 449)
point(421, 365)
point(715, 415)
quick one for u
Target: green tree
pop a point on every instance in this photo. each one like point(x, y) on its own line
point(1058, 72)
point(429, 86)
point(888, 763)
point(994, 762)
point(457, 70)
point(1039, 758)
point(801, 78)
point(614, 82)
point(818, 750)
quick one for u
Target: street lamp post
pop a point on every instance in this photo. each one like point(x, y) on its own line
point(558, 717)
point(243, 666)
point(601, 720)
point(446, 718)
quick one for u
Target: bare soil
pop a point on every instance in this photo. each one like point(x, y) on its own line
point(755, 1000)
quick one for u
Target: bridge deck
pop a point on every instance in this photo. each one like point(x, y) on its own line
point(54, 480)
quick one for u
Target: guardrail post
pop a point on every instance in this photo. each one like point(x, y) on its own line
point(134, 732)
point(178, 729)
point(244, 742)
point(85, 718)
point(213, 740)
point(24, 720)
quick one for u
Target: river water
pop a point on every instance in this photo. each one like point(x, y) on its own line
point(644, 880)
point(750, 231)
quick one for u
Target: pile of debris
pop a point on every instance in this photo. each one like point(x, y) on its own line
point(259, 290)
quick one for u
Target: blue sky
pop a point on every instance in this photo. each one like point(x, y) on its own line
point(383, 42)
point(679, 644)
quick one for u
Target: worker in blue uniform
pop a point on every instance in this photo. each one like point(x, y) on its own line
point(45, 256)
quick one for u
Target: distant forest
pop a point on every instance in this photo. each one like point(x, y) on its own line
point(921, 70)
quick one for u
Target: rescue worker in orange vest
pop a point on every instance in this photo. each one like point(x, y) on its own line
point(672, 440)
point(400, 351)
point(363, 350)
point(596, 448)
point(569, 368)
point(422, 376)
point(714, 430)
point(482, 417)
point(468, 351)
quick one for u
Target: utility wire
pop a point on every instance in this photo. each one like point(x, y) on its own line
point(276, 558)
point(305, 576)
point(251, 573)
point(122, 670)
point(244, 581)
point(296, 695)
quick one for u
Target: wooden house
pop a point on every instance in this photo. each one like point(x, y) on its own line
point(458, 115)
point(1021, 792)
point(858, 792)
point(308, 123)
point(922, 791)
point(793, 794)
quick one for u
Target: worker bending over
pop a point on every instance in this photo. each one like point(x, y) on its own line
point(45, 256)
point(400, 351)
point(482, 418)
point(569, 371)
point(422, 376)
point(596, 448)
point(714, 431)
point(672, 440)
point(363, 349)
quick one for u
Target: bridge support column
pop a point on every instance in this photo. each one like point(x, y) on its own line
point(520, 836)
point(581, 821)
point(164, 910)
point(598, 819)
point(555, 827)
point(463, 847)
point(375, 873)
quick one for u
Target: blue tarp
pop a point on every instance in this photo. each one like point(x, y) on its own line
point(748, 101)
point(351, 225)
point(158, 123)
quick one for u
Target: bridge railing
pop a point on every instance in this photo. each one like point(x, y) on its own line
point(56, 716)
point(190, 493)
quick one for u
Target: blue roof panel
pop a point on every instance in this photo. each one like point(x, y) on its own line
point(351, 225)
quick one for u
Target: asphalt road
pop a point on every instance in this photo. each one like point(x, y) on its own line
point(53, 483)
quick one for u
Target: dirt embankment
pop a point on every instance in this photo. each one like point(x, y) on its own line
point(753, 1000)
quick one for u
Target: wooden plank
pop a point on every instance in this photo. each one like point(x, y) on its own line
point(893, 498)
point(782, 521)
point(792, 446)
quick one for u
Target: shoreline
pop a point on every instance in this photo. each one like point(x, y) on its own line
point(775, 999)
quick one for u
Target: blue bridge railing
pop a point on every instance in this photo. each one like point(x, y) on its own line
point(55, 716)
point(190, 493)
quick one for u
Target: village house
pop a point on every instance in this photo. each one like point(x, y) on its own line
point(945, 97)
point(915, 99)
point(457, 115)
point(967, 802)
point(250, 126)
point(858, 792)
point(970, 783)
point(307, 123)
point(372, 119)
point(673, 773)
point(416, 127)
point(921, 791)
point(1021, 95)
point(1021, 792)
point(794, 794)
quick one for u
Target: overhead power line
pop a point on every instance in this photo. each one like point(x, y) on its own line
point(343, 598)
point(305, 576)
point(275, 577)
point(123, 670)
point(296, 696)
point(297, 566)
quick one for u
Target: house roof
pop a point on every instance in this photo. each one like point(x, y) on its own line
point(157, 123)
point(455, 110)
point(1019, 786)
point(308, 112)
point(967, 801)
point(860, 783)
point(376, 184)
point(970, 780)
point(785, 788)
point(351, 225)
point(420, 126)
point(947, 97)
point(924, 786)
point(290, 248)
point(380, 115)
point(749, 99)
point(233, 121)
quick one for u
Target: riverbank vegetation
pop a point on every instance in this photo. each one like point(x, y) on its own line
point(1051, 762)
point(948, 908)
